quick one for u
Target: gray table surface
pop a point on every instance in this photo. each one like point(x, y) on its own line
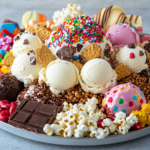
point(11, 142)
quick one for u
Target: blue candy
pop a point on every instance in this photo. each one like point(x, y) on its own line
point(75, 57)
point(2, 52)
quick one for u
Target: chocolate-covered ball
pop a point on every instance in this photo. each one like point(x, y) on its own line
point(9, 87)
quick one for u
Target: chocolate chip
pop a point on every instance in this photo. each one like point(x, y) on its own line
point(31, 51)
point(34, 33)
point(66, 53)
point(79, 47)
point(32, 61)
point(141, 53)
point(25, 42)
point(147, 46)
point(73, 32)
point(28, 53)
point(131, 45)
point(82, 60)
point(16, 38)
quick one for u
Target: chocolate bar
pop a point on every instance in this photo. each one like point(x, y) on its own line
point(32, 115)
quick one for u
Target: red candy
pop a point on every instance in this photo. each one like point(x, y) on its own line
point(12, 108)
point(136, 126)
point(132, 55)
point(6, 109)
point(99, 124)
point(4, 115)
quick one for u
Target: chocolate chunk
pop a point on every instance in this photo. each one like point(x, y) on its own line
point(16, 38)
point(25, 42)
point(32, 115)
point(147, 60)
point(82, 60)
point(141, 53)
point(79, 30)
point(147, 46)
point(73, 32)
point(131, 45)
point(32, 60)
point(79, 47)
point(33, 33)
point(10, 87)
point(66, 53)
point(112, 64)
point(32, 51)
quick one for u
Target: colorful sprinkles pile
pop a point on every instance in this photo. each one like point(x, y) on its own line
point(79, 29)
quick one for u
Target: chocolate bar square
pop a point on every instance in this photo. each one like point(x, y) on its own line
point(32, 115)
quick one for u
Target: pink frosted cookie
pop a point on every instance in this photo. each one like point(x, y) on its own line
point(124, 97)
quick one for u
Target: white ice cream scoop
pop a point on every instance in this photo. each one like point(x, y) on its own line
point(26, 68)
point(60, 75)
point(25, 42)
point(97, 76)
point(133, 56)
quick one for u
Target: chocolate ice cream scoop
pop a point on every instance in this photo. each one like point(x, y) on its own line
point(9, 87)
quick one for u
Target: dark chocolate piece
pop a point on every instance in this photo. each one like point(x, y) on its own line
point(73, 32)
point(79, 47)
point(82, 60)
point(147, 46)
point(32, 60)
point(141, 53)
point(10, 87)
point(16, 38)
point(147, 60)
point(79, 30)
point(32, 115)
point(66, 53)
point(131, 45)
point(25, 42)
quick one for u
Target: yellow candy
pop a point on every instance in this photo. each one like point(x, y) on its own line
point(138, 98)
point(5, 69)
point(11, 51)
point(121, 89)
point(127, 87)
point(103, 102)
point(1, 64)
point(134, 92)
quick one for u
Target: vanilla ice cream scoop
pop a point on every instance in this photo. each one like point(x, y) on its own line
point(133, 56)
point(97, 76)
point(24, 42)
point(26, 67)
point(60, 75)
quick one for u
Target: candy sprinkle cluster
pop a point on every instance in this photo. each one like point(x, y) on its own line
point(79, 29)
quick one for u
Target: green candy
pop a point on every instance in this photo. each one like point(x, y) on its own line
point(6, 54)
point(1, 59)
point(120, 101)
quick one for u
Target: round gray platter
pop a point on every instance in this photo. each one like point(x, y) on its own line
point(58, 140)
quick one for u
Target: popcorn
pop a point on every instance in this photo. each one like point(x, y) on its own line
point(108, 123)
point(94, 133)
point(82, 127)
point(71, 125)
point(94, 116)
point(78, 133)
point(91, 104)
point(123, 129)
point(120, 115)
point(132, 119)
point(80, 120)
point(100, 134)
point(60, 116)
point(71, 11)
point(48, 129)
point(68, 133)
point(92, 124)
point(60, 132)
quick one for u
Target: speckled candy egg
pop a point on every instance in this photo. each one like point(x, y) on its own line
point(124, 97)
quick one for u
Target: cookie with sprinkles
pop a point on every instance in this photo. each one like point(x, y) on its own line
point(79, 32)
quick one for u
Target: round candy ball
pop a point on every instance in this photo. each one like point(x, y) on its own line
point(2, 52)
point(124, 97)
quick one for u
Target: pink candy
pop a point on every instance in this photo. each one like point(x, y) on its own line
point(6, 43)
